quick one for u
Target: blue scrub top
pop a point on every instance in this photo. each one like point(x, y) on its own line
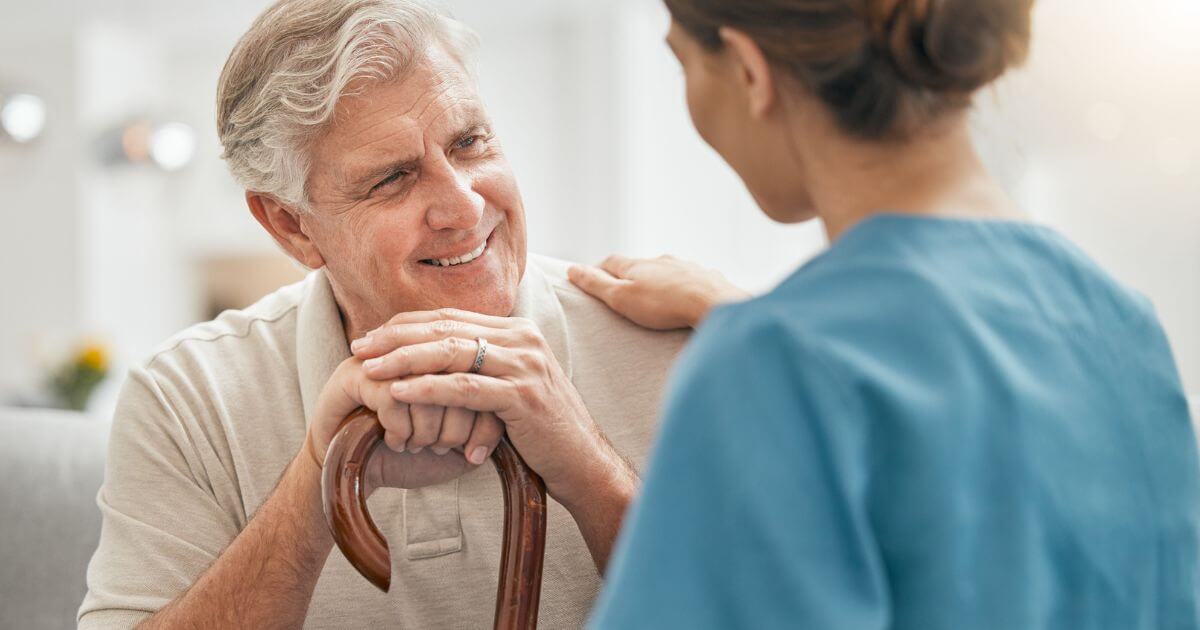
point(936, 425)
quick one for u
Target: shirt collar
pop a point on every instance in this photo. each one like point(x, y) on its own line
point(321, 338)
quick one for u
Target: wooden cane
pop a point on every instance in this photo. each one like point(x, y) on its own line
point(344, 493)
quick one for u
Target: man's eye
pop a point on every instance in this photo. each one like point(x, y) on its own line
point(388, 180)
point(471, 143)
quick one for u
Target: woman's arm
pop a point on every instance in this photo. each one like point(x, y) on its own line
point(754, 511)
point(661, 293)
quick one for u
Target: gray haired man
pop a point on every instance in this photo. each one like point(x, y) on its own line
point(366, 153)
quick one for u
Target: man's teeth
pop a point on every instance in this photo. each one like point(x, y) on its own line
point(461, 260)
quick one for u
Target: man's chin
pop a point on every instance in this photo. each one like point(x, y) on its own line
point(490, 291)
point(498, 305)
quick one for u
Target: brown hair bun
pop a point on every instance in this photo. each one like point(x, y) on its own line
point(952, 45)
point(885, 68)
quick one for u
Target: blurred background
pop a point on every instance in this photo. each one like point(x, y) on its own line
point(121, 225)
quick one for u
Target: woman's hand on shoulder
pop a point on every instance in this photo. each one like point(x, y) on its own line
point(661, 293)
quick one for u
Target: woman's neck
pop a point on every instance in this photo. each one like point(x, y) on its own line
point(938, 174)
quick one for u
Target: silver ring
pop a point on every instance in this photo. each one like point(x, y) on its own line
point(479, 356)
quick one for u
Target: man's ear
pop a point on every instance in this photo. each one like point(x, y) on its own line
point(753, 70)
point(284, 225)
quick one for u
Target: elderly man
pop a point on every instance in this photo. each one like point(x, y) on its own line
point(366, 153)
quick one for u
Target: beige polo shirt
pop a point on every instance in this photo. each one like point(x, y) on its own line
point(205, 427)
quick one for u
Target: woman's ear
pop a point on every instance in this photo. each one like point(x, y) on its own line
point(284, 225)
point(753, 69)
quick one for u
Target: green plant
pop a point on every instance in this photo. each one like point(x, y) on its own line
point(73, 383)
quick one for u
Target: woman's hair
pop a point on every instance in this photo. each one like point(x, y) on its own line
point(283, 80)
point(885, 68)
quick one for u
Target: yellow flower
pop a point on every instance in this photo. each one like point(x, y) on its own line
point(94, 356)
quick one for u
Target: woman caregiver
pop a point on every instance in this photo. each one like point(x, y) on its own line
point(952, 419)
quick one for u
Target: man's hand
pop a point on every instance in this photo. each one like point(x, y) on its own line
point(661, 293)
point(521, 382)
point(426, 442)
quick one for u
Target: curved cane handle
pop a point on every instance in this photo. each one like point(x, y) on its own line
point(343, 490)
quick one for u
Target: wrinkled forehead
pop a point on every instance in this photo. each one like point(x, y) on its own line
point(433, 100)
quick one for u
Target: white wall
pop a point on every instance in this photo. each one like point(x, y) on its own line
point(589, 105)
point(678, 196)
point(40, 284)
point(1099, 137)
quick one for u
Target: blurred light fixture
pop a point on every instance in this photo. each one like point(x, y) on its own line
point(172, 146)
point(168, 146)
point(22, 117)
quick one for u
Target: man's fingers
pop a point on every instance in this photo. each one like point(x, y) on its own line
point(445, 356)
point(598, 283)
point(456, 428)
point(338, 399)
point(397, 425)
point(377, 397)
point(448, 355)
point(471, 391)
point(484, 437)
point(427, 425)
point(399, 335)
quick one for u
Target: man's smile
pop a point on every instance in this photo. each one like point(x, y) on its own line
point(459, 260)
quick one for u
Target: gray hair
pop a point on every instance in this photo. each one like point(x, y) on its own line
point(284, 78)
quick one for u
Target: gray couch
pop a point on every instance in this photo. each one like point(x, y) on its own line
point(51, 465)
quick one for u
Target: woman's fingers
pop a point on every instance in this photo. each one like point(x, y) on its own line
point(456, 428)
point(617, 265)
point(598, 283)
point(484, 437)
point(662, 293)
point(427, 425)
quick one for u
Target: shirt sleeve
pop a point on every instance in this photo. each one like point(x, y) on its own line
point(162, 526)
point(753, 512)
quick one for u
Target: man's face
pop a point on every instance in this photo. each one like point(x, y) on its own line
point(407, 178)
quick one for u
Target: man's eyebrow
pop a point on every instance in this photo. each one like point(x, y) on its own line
point(474, 124)
point(375, 174)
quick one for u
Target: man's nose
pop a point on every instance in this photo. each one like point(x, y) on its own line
point(457, 206)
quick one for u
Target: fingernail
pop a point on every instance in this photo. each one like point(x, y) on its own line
point(440, 451)
point(416, 449)
point(360, 344)
point(372, 364)
point(398, 388)
point(478, 455)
